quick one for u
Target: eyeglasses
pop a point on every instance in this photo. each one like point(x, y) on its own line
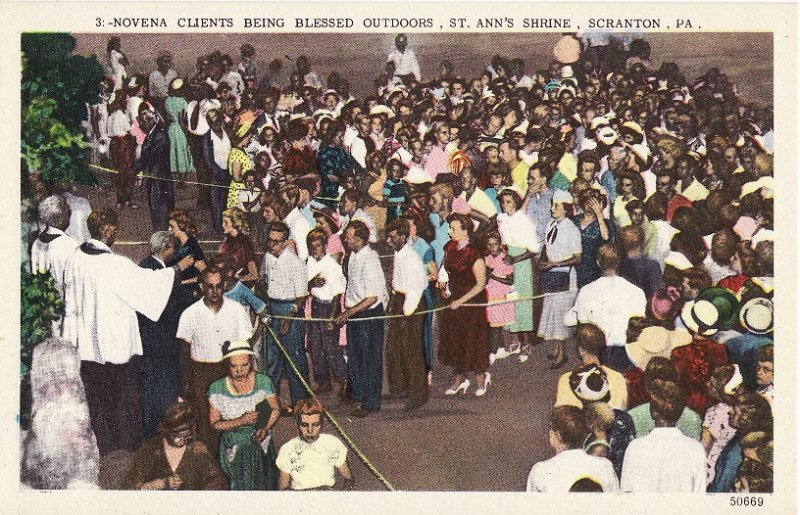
point(183, 436)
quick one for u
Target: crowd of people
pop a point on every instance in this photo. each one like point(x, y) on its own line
point(598, 201)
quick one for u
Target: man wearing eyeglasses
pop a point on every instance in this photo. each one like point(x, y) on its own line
point(287, 288)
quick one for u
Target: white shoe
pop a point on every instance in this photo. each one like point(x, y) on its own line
point(460, 388)
point(514, 348)
point(492, 358)
point(523, 358)
point(502, 353)
point(430, 377)
point(487, 380)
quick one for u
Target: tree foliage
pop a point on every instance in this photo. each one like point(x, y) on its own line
point(56, 87)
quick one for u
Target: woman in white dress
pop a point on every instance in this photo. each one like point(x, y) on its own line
point(562, 251)
point(117, 61)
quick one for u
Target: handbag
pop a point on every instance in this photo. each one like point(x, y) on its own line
point(554, 281)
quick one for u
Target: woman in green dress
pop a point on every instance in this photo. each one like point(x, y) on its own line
point(518, 233)
point(180, 159)
point(243, 407)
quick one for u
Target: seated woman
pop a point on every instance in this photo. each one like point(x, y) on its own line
point(174, 460)
point(238, 408)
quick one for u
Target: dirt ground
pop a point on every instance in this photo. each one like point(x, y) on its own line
point(460, 443)
point(451, 443)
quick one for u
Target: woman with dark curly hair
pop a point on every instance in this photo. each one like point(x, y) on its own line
point(464, 339)
point(175, 459)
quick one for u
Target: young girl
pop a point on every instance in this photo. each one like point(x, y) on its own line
point(498, 286)
point(250, 203)
point(395, 191)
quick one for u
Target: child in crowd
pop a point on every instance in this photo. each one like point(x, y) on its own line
point(499, 286)
point(395, 191)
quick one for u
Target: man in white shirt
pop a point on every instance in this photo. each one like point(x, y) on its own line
point(405, 357)
point(405, 61)
point(287, 289)
point(159, 80)
point(327, 284)
point(610, 301)
point(666, 460)
point(204, 327)
point(102, 294)
point(298, 224)
point(570, 464)
point(309, 461)
point(365, 297)
point(53, 247)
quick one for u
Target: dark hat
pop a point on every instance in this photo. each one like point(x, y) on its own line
point(589, 383)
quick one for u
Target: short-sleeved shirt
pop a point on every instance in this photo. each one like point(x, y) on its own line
point(311, 465)
point(365, 278)
point(206, 331)
point(562, 241)
point(231, 404)
point(689, 422)
point(286, 276)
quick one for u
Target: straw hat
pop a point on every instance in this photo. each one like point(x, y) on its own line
point(757, 315)
point(713, 310)
point(655, 341)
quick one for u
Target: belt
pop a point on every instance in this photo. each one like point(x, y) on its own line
point(289, 301)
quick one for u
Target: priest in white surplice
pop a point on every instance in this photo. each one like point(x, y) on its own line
point(103, 292)
point(53, 247)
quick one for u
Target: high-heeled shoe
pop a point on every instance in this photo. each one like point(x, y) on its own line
point(460, 388)
point(514, 348)
point(558, 359)
point(525, 353)
point(487, 380)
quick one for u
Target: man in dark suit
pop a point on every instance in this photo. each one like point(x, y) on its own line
point(154, 162)
point(160, 380)
point(216, 147)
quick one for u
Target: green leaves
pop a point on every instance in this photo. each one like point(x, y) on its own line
point(56, 87)
point(40, 305)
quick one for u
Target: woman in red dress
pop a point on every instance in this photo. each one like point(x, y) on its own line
point(237, 244)
point(464, 339)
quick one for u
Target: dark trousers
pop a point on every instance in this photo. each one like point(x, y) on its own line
point(324, 343)
point(161, 199)
point(219, 203)
point(294, 343)
point(203, 175)
point(365, 358)
point(112, 393)
point(160, 386)
point(405, 357)
point(201, 377)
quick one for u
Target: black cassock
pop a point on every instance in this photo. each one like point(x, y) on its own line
point(160, 374)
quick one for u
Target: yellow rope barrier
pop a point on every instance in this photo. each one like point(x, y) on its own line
point(330, 417)
point(169, 179)
point(434, 310)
